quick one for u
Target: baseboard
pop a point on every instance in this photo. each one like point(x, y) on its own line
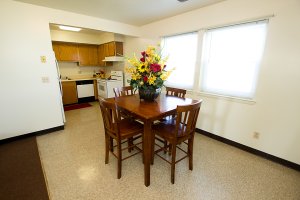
point(42, 132)
point(251, 150)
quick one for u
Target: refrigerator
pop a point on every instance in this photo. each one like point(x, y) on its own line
point(60, 87)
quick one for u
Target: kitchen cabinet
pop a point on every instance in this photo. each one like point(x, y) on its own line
point(88, 55)
point(66, 51)
point(113, 49)
point(69, 92)
point(109, 49)
point(102, 53)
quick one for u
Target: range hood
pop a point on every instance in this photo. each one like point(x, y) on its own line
point(114, 59)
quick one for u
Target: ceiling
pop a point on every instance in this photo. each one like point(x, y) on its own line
point(83, 30)
point(133, 12)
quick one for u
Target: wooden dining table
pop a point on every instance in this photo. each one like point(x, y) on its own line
point(148, 112)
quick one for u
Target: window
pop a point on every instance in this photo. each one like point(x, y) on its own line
point(182, 52)
point(231, 58)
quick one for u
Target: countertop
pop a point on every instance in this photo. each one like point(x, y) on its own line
point(78, 79)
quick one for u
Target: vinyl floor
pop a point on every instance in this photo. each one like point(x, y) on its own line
point(73, 161)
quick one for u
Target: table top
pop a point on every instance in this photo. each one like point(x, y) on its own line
point(162, 106)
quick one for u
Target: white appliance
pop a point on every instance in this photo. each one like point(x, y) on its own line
point(105, 87)
point(61, 91)
point(85, 91)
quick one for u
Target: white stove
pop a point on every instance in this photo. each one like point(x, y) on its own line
point(105, 87)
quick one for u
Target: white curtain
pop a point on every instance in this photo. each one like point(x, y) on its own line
point(182, 51)
point(231, 59)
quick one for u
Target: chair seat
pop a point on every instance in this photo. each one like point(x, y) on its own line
point(166, 130)
point(129, 128)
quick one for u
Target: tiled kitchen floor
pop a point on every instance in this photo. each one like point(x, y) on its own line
point(73, 161)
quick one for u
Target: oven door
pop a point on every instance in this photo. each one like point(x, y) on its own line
point(102, 88)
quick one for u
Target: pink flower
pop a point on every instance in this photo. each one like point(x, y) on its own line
point(155, 67)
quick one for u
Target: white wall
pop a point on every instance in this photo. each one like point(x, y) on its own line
point(276, 112)
point(88, 38)
point(26, 104)
point(68, 36)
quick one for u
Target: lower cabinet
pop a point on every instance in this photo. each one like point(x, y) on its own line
point(69, 92)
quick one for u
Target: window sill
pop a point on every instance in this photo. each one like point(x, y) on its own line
point(228, 98)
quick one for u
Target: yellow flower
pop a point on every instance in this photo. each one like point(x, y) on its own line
point(151, 80)
point(135, 76)
point(141, 68)
point(164, 76)
point(150, 50)
point(130, 70)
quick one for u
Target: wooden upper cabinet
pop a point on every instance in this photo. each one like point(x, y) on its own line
point(118, 48)
point(101, 55)
point(65, 51)
point(93, 56)
point(55, 47)
point(88, 55)
point(114, 49)
point(109, 49)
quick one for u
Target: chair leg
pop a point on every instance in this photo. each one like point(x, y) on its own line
point(173, 164)
point(111, 144)
point(129, 143)
point(143, 147)
point(119, 159)
point(170, 149)
point(106, 148)
point(165, 146)
point(190, 152)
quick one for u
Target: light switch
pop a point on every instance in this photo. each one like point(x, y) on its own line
point(43, 59)
point(45, 79)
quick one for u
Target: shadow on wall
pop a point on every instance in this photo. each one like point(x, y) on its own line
point(213, 114)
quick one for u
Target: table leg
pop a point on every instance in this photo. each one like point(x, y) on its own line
point(147, 151)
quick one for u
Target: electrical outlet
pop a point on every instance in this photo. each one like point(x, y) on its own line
point(45, 79)
point(256, 135)
point(43, 59)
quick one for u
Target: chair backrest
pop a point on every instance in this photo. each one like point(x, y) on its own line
point(175, 92)
point(111, 117)
point(123, 91)
point(186, 119)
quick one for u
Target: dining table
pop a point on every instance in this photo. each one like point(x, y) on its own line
point(148, 112)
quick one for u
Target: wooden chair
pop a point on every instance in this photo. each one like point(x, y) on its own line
point(178, 131)
point(124, 91)
point(175, 92)
point(118, 129)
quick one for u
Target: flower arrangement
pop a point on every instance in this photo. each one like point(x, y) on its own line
point(148, 71)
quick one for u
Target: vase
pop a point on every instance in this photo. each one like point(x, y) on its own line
point(149, 94)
